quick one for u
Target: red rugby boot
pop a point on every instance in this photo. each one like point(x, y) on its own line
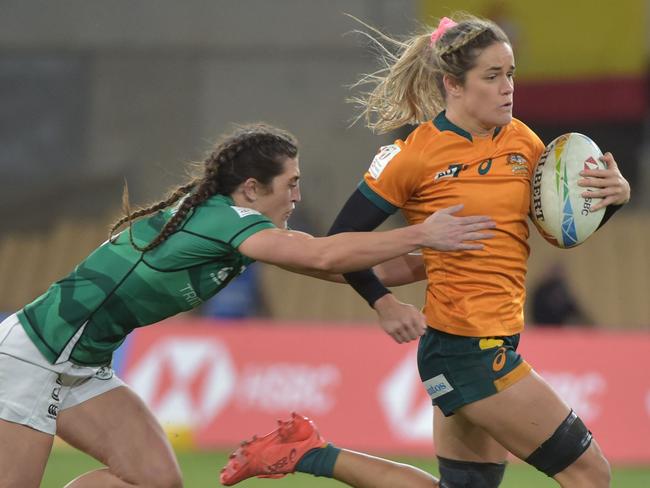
point(274, 455)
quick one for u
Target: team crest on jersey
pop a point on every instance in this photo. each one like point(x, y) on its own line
point(517, 163)
point(452, 172)
point(245, 212)
point(381, 160)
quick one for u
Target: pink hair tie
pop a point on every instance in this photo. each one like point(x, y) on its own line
point(445, 23)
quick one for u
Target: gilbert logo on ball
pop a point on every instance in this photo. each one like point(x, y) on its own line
point(558, 210)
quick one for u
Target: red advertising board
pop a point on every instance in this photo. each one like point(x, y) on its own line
point(224, 381)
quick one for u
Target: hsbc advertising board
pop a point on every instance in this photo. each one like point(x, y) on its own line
point(220, 382)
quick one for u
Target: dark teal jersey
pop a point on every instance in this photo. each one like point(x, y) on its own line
point(85, 316)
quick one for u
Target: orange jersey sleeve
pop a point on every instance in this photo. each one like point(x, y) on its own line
point(394, 172)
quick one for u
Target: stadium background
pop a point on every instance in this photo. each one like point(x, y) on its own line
point(94, 92)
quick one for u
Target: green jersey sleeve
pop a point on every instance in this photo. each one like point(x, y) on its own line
point(227, 224)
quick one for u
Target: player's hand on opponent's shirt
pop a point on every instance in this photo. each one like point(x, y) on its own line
point(450, 233)
point(608, 184)
point(402, 321)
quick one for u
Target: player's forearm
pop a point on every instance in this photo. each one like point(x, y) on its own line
point(321, 275)
point(402, 270)
point(342, 253)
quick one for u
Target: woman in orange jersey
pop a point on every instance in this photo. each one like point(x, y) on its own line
point(457, 84)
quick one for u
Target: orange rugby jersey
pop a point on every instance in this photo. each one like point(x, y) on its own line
point(469, 293)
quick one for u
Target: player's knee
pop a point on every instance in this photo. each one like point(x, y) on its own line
point(591, 469)
point(165, 474)
point(466, 474)
point(602, 471)
point(569, 441)
point(165, 480)
point(170, 479)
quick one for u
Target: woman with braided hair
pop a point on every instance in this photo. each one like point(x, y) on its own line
point(457, 84)
point(55, 353)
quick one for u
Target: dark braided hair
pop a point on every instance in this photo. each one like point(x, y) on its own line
point(252, 151)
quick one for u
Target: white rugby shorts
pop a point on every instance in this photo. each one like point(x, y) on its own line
point(33, 391)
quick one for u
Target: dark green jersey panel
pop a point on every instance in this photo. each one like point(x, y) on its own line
point(87, 315)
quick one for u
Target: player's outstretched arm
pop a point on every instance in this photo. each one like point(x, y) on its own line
point(351, 251)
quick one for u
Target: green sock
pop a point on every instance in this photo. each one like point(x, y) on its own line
point(319, 461)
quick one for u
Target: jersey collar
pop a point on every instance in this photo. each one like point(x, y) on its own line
point(226, 198)
point(443, 123)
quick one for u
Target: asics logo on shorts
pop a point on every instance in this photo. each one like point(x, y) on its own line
point(499, 359)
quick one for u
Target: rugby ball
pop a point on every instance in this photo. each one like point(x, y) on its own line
point(558, 210)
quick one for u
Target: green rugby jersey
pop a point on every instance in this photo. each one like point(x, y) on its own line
point(86, 316)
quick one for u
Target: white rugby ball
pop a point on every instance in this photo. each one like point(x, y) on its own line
point(558, 210)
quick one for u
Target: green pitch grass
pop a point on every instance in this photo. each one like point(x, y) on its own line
point(201, 469)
